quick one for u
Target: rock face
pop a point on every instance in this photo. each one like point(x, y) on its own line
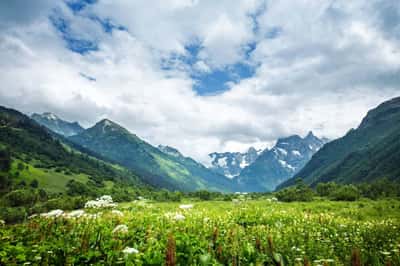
point(231, 164)
point(54, 123)
point(366, 154)
point(280, 163)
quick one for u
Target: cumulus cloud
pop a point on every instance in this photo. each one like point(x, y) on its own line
point(318, 65)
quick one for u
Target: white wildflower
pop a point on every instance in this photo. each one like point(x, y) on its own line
point(129, 250)
point(2, 222)
point(102, 202)
point(52, 214)
point(123, 229)
point(117, 213)
point(179, 217)
point(33, 216)
point(186, 206)
point(75, 214)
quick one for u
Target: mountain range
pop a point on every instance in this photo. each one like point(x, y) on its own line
point(230, 164)
point(56, 151)
point(364, 154)
point(280, 163)
point(165, 167)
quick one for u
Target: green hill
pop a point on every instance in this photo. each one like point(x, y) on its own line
point(365, 154)
point(29, 152)
point(157, 167)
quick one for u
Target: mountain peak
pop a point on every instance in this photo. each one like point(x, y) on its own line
point(310, 135)
point(169, 150)
point(56, 124)
point(108, 125)
point(46, 115)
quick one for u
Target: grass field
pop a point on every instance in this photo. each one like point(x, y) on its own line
point(48, 179)
point(212, 233)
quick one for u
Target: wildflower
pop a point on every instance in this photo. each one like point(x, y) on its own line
point(2, 222)
point(53, 213)
point(179, 217)
point(102, 202)
point(123, 229)
point(32, 216)
point(129, 250)
point(75, 214)
point(186, 206)
point(117, 213)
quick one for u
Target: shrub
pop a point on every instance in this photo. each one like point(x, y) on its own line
point(346, 193)
point(13, 215)
point(64, 203)
point(34, 183)
point(21, 197)
point(326, 189)
point(300, 192)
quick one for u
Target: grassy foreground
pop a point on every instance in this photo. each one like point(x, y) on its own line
point(211, 233)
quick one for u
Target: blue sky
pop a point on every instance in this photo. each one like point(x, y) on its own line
point(212, 82)
point(202, 75)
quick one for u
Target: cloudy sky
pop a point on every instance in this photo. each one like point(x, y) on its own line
point(202, 75)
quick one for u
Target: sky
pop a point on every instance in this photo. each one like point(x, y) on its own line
point(202, 75)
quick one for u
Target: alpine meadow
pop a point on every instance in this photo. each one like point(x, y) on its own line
point(199, 132)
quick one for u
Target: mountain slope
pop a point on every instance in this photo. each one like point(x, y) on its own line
point(280, 163)
point(36, 154)
point(162, 169)
point(58, 125)
point(231, 164)
point(368, 153)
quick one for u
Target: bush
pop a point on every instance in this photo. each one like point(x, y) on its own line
point(13, 215)
point(346, 193)
point(300, 192)
point(326, 189)
point(64, 203)
point(21, 197)
point(34, 183)
point(75, 188)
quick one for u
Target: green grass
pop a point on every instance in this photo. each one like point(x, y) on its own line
point(213, 233)
point(48, 179)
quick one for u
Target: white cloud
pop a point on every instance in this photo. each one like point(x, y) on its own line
point(327, 65)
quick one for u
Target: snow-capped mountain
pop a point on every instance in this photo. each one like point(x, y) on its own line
point(280, 163)
point(231, 164)
point(58, 125)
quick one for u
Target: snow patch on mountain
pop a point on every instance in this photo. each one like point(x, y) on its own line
point(231, 164)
